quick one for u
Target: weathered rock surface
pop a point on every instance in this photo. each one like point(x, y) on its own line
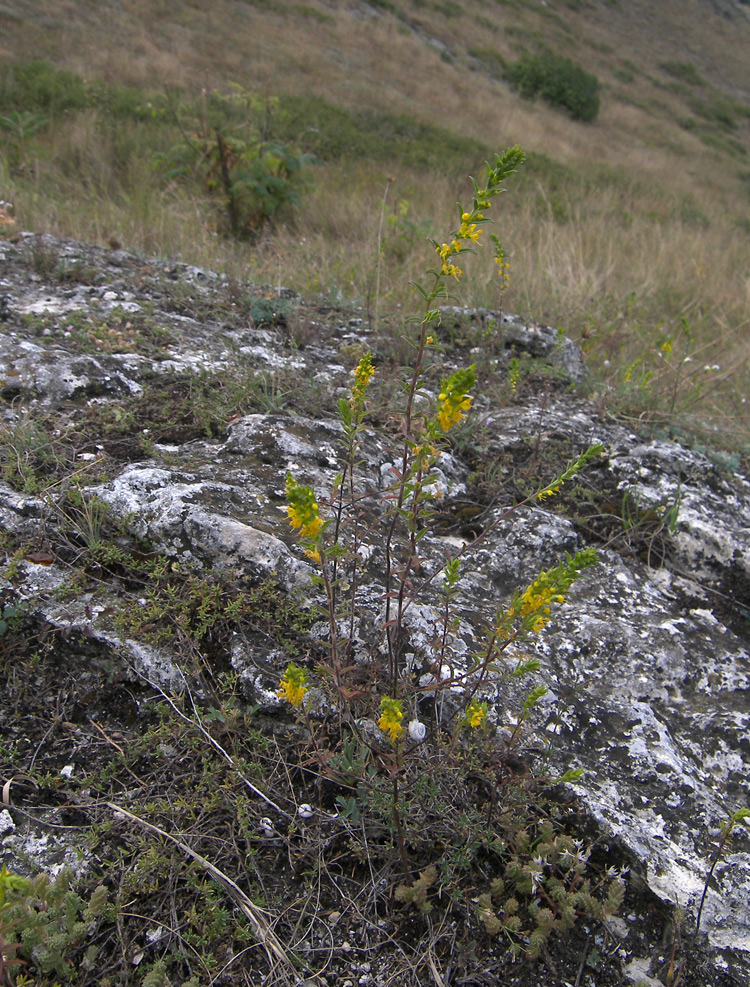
point(647, 661)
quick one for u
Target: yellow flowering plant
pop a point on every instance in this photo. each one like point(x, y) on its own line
point(391, 715)
point(303, 510)
point(476, 714)
point(425, 436)
point(293, 685)
point(530, 610)
point(454, 399)
point(393, 700)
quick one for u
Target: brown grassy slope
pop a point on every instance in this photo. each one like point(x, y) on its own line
point(662, 210)
point(417, 60)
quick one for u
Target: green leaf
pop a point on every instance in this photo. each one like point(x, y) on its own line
point(345, 411)
point(572, 774)
point(534, 696)
point(524, 667)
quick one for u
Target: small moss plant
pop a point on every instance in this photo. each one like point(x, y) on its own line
point(382, 765)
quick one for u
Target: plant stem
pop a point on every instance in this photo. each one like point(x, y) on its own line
point(726, 832)
point(400, 831)
point(394, 629)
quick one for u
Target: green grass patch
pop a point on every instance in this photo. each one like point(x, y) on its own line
point(491, 61)
point(40, 87)
point(333, 133)
point(684, 71)
point(720, 110)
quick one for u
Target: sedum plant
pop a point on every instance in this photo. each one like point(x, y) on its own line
point(381, 757)
point(44, 923)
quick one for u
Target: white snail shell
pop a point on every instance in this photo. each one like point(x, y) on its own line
point(417, 731)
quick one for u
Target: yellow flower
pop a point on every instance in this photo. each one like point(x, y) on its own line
point(549, 587)
point(453, 400)
point(514, 375)
point(302, 509)
point(307, 522)
point(362, 375)
point(293, 685)
point(476, 713)
point(470, 231)
point(391, 715)
point(451, 414)
point(549, 492)
point(448, 250)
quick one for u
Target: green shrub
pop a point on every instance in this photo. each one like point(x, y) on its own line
point(12, 615)
point(20, 127)
point(227, 143)
point(38, 87)
point(45, 925)
point(559, 81)
point(127, 103)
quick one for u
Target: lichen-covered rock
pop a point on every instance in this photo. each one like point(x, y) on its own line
point(647, 660)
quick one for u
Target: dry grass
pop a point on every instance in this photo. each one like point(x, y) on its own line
point(646, 209)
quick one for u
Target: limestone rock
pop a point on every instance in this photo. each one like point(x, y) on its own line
point(647, 661)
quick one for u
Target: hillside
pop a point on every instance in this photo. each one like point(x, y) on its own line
point(432, 60)
point(629, 231)
point(262, 499)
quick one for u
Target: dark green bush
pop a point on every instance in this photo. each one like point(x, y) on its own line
point(559, 81)
point(39, 87)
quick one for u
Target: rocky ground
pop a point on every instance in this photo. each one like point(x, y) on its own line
point(153, 594)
